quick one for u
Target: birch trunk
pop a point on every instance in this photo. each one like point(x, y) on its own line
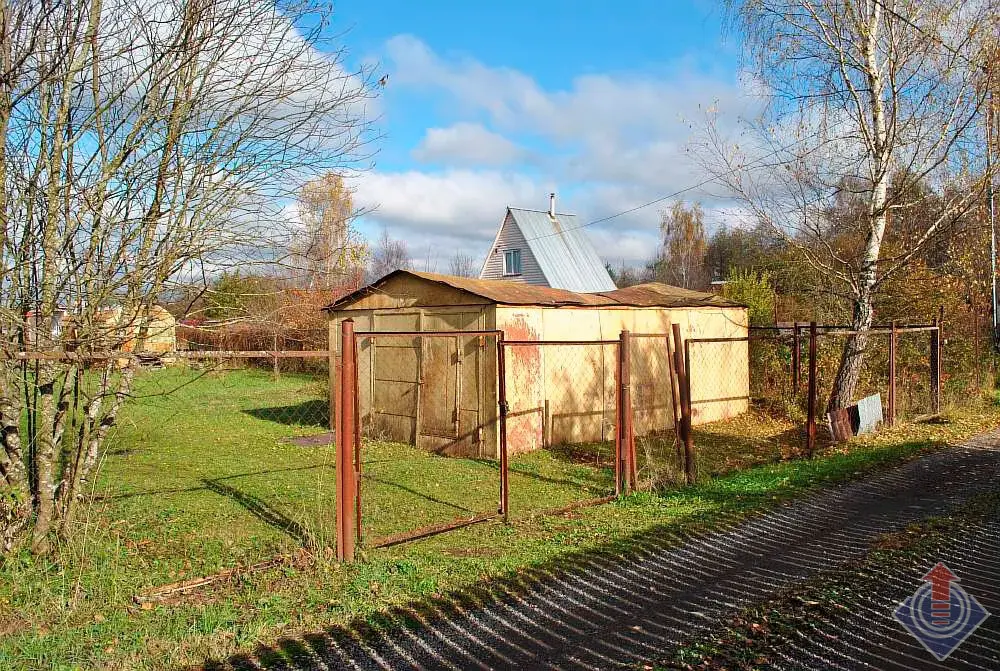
point(852, 358)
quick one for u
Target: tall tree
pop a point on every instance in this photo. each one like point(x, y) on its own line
point(329, 251)
point(857, 91)
point(141, 144)
point(682, 259)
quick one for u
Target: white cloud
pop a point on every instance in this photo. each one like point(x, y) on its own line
point(467, 144)
point(606, 142)
point(467, 204)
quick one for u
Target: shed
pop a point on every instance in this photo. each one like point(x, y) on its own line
point(440, 394)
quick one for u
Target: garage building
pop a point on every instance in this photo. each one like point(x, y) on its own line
point(440, 393)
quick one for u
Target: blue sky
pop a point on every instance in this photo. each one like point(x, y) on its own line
point(496, 104)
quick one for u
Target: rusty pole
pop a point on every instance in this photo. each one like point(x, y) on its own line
point(619, 423)
point(796, 360)
point(346, 475)
point(675, 395)
point(811, 404)
point(692, 461)
point(502, 408)
point(626, 382)
point(891, 419)
point(681, 352)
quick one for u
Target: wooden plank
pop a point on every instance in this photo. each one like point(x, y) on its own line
point(397, 398)
point(396, 364)
point(439, 382)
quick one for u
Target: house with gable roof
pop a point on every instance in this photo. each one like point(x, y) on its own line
point(548, 249)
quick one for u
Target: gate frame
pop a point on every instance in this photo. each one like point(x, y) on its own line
point(349, 445)
point(624, 442)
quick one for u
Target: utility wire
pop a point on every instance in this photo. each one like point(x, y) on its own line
point(674, 194)
point(709, 180)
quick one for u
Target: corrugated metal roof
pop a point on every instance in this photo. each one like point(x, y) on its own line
point(653, 294)
point(563, 251)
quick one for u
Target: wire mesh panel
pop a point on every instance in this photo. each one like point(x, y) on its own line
point(560, 424)
point(429, 449)
point(913, 375)
point(654, 407)
point(217, 456)
point(742, 410)
point(778, 371)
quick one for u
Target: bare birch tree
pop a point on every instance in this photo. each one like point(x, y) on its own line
point(462, 265)
point(142, 145)
point(682, 258)
point(330, 251)
point(388, 255)
point(858, 92)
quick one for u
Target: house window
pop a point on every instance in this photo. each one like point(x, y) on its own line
point(512, 262)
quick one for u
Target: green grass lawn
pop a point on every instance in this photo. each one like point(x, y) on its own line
point(205, 478)
point(201, 476)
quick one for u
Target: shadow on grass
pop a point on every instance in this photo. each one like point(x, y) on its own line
point(203, 487)
point(528, 471)
point(630, 599)
point(263, 511)
point(307, 413)
point(413, 492)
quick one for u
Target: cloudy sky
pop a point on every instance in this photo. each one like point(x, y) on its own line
point(499, 103)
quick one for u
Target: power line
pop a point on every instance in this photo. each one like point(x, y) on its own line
point(674, 194)
point(709, 180)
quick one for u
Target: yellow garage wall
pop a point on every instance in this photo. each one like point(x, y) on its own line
point(556, 393)
point(566, 393)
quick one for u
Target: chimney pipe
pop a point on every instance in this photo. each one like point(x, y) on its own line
point(552, 205)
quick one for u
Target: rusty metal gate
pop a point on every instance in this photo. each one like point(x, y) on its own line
point(442, 429)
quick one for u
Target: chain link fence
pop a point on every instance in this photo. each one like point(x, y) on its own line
point(428, 455)
point(655, 411)
point(560, 429)
point(211, 461)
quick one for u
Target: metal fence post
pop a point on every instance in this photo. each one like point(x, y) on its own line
point(796, 360)
point(682, 351)
point(626, 392)
point(675, 395)
point(619, 421)
point(891, 418)
point(502, 426)
point(345, 443)
point(811, 404)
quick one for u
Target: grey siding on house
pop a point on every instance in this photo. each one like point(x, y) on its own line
point(511, 238)
point(555, 252)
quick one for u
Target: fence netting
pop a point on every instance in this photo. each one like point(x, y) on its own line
point(561, 423)
point(914, 393)
point(658, 456)
point(730, 428)
point(427, 414)
point(225, 457)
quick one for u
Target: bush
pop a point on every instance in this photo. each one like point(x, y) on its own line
point(754, 289)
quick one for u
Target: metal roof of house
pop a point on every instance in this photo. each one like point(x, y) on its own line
point(652, 294)
point(564, 253)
